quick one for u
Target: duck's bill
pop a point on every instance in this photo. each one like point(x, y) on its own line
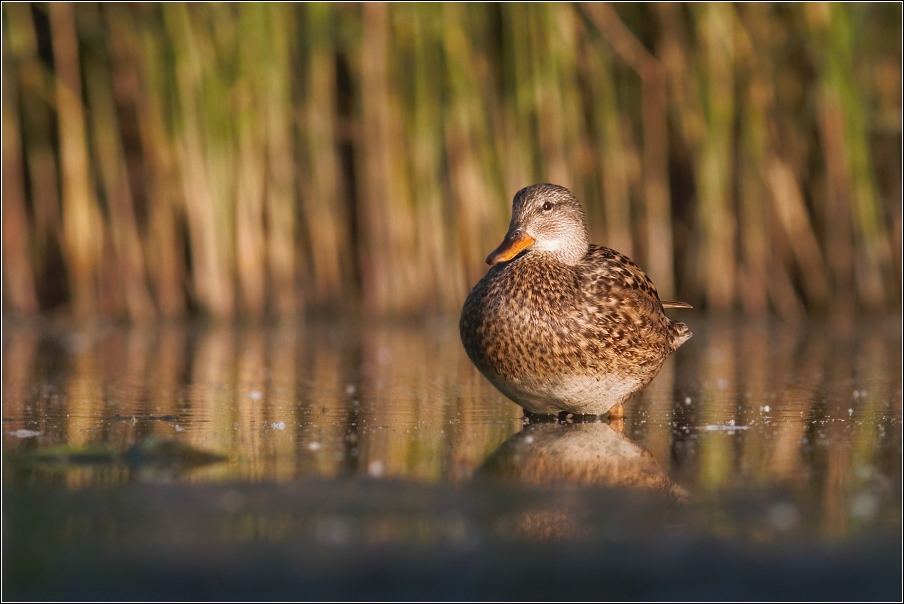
point(515, 242)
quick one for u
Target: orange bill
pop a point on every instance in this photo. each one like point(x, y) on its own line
point(515, 242)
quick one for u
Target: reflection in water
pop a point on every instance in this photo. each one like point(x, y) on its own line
point(388, 401)
point(151, 459)
point(579, 454)
point(746, 404)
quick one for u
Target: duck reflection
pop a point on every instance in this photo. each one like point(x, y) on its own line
point(585, 452)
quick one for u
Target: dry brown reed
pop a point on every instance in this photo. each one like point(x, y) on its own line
point(266, 160)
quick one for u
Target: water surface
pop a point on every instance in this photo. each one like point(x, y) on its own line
point(143, 444)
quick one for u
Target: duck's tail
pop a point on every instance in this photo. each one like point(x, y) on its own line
point(680, 334)
point(667, 304)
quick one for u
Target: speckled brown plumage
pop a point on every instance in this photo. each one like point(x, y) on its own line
point(564, 325)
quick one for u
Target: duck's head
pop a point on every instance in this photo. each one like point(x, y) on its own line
point(545, 218)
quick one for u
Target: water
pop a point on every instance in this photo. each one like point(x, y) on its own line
point(371, 460)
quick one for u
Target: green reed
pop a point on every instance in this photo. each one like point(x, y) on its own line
point(268, 160)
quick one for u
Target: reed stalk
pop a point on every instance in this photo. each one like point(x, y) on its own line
point(139, 83)
point(250, 162)
point(475, 145)
point(375, 156)
point(659, 253)
point(200, 156)
point(110, 158)
point(20, 276)
point(281, 219)
point(437, 251)
point(757, 97)
point(82, 231)
point(551, 54)
point(613, 167)
point(33, 81)
point(330, 250)
point(718, 224)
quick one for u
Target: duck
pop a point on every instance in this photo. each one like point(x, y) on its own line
point(560, 325)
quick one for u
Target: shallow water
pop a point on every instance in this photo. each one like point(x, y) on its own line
point(145, 445)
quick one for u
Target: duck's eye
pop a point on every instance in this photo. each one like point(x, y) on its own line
point(547, 206)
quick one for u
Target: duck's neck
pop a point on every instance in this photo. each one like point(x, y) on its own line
point(570, 250)
point(577, 250)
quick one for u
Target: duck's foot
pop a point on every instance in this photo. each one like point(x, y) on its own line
point(563, 417)
point(538, 418)
point(617, 418)
point(566, 417)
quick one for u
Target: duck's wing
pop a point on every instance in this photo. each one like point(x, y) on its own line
point(615, 281)
point(613, 276)
point(613, 271)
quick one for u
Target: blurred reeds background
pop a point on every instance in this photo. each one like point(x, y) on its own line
point(247, 160)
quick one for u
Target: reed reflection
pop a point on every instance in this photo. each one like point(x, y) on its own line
point(421, 415)
point(307, 400)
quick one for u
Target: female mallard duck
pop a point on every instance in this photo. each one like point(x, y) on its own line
point(561, 325)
